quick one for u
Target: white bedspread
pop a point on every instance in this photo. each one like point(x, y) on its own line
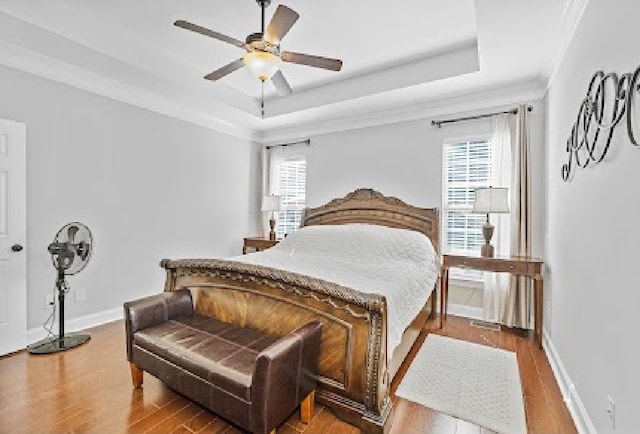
point(400, 264)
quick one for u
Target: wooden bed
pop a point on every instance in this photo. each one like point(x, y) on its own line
point(354, 374)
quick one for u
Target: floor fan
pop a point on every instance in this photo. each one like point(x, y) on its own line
point(70, 251)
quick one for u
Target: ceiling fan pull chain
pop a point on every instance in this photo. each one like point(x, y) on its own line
point(262, 101)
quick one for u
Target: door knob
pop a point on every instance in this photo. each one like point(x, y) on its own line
point(16, 247)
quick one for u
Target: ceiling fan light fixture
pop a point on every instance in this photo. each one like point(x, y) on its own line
point(262, 64)
point(264, 56)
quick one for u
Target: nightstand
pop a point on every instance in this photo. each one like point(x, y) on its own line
point(515, 265)
point(258, 244)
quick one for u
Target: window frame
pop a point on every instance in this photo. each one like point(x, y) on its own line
point(282, 227)
point(460, 274)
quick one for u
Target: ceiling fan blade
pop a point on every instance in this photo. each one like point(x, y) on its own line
point(282, 21)
point(281, 84)
point(226, 69)
point(207, 32)
point(309, 60)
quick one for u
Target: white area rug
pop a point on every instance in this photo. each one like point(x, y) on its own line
point(470, 381)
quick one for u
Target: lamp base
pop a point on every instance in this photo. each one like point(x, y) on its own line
point(487, 251)
point(272, 233)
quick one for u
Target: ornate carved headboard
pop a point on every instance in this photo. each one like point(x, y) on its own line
point(369, 206)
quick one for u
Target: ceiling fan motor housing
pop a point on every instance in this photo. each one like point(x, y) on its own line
point(254, 42)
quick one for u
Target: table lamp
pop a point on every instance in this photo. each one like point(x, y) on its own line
point(490, 200)
point(272, 203)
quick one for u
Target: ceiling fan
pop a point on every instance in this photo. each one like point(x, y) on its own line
point(263, 56)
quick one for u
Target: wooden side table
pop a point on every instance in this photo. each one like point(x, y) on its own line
point(257, 243)
point(515, 265)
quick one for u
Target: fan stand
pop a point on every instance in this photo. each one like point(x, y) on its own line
point(61, 342)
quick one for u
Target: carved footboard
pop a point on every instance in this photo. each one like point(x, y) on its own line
point(353, 377)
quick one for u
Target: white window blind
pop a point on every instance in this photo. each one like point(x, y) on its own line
point(292, 183)
point(466, 166)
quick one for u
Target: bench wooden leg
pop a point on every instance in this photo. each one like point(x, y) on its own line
point(136, 376)
point(306, 408)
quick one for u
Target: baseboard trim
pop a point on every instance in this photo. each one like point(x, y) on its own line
point(465, 311)
point(77, 324)
point(467, 283)
point(569, 393)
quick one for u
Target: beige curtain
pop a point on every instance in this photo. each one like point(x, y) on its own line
point(496, 285)
point(519, 298)
point(264, 171)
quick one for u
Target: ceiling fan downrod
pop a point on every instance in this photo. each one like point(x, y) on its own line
point(263, 5)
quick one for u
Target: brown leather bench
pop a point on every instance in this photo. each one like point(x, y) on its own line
point(252, 379)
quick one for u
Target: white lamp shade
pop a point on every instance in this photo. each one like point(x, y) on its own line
point(261, 64)
point(491, 200)
point(272, 203)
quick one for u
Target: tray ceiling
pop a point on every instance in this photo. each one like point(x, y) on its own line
point(394, 53)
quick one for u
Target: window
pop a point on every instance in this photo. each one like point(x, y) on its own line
point(292, 182)
point(466, 166)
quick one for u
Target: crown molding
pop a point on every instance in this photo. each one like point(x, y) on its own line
point(39, 64)
point(55, 56)
point(571, 18)
point(56, 70)
point(355, 102)
point(29, 48)
point(136, 65)
point(452, 62)
point(531, 90)
point(59, 71)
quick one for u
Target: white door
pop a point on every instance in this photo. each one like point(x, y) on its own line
point(13, 258)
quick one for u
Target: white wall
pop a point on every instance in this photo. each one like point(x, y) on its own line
point(592, 234)
point(147, 185)
point(405, 160)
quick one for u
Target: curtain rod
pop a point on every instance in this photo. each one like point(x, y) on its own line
point(301, 142)
point(470, 118)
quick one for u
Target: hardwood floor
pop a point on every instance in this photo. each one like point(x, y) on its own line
point(88, 390)
point(545, 409)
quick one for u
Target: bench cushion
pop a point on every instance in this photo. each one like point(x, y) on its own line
point(215, 351)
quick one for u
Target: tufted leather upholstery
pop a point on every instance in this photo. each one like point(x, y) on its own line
point(252, 379)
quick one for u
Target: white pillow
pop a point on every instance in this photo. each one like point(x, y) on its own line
point(362, 242)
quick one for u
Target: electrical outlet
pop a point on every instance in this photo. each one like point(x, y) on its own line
point(48, 301)
point(611, 411)
point(81, 295)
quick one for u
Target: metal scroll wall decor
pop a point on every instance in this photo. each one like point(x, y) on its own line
point(609, 100)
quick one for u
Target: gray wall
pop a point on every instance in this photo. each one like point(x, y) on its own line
point(592, 228)
point(405, 160)
point(148, 186)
